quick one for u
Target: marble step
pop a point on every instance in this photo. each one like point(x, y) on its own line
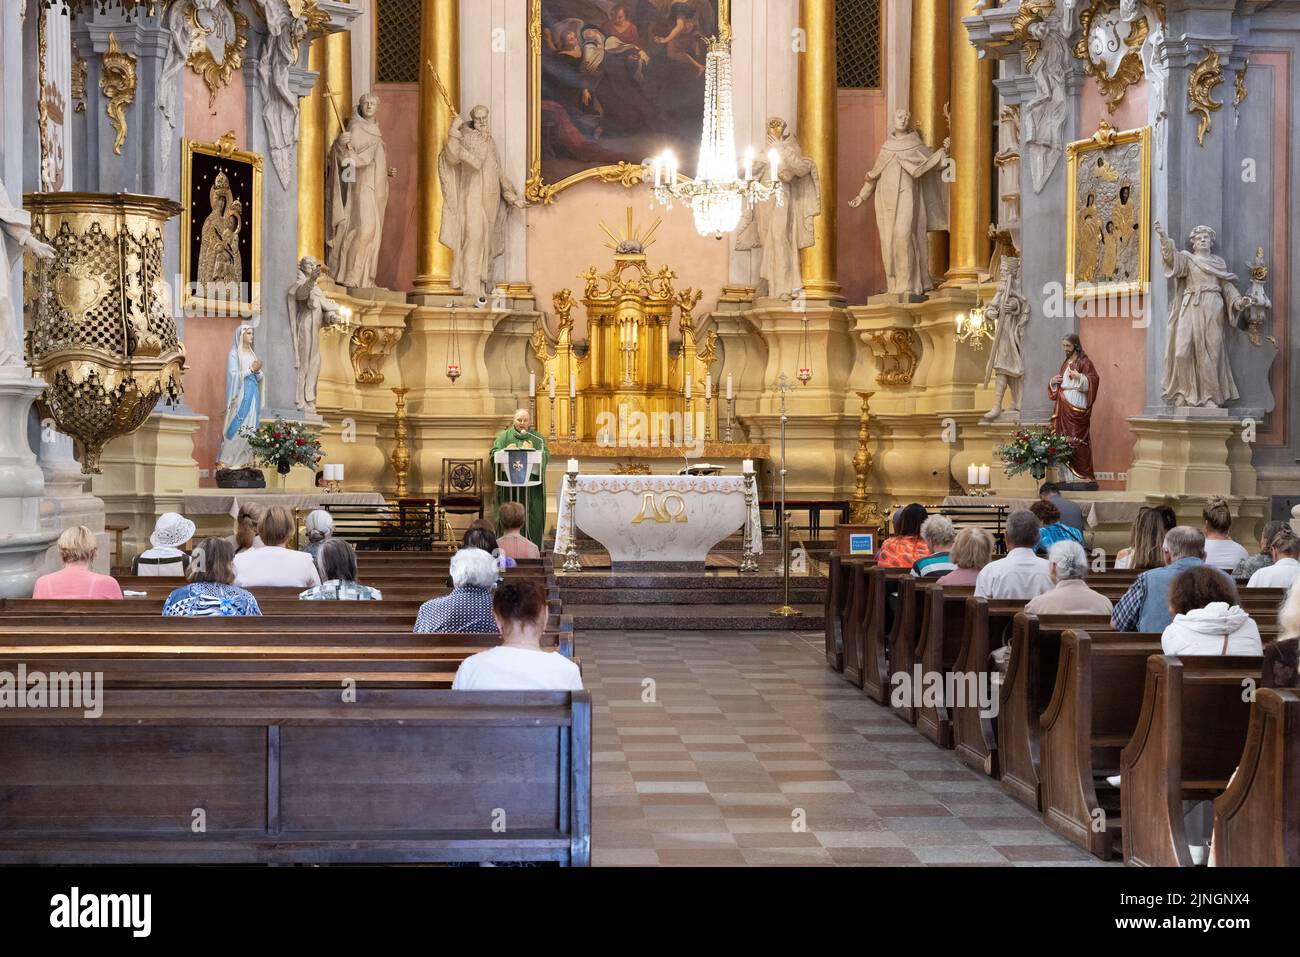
point(692, 618)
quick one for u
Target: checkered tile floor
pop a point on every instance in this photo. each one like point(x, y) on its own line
point(750, 751)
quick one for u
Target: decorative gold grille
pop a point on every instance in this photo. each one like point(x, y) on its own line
point(859, 33)
point(397, 42)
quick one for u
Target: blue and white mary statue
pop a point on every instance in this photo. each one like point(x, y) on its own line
point(243, 401)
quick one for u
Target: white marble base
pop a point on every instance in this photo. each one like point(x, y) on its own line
point(660, 519)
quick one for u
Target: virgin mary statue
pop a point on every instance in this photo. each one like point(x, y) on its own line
point(243, 401)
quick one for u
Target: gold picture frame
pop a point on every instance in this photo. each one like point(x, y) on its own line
point(1108, 232)
point(242, 169)
point(629, 173)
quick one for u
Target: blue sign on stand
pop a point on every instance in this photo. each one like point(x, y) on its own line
point(864, 544)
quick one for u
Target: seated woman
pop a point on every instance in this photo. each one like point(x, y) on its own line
point(167, 558)
point(338, 563)
point(75, 580)
point(245, 536)
point(1208, 619)
point(468, 609)
point(1285, 547)
point(512, 542)
point(972, 550)
point(939, 535)
point(481, 535)
point(1053, 529)
point(518, 663)
point(273, 565)
point(1282, 657)
point(1220, 550)
point(1147, 540)
point(212, 592)
point(905, 546)
point(320, 527)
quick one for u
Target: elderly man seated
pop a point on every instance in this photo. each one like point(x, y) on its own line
point(1070, 594)
point(469, 606)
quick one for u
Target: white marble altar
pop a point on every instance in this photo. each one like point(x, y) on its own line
point(659, 519)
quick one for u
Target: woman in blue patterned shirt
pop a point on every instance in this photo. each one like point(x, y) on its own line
point(212, 592)
point(468, 609)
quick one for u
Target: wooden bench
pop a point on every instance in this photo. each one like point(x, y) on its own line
point(903, 639)
point(1257, 819)
point(1189, 738)
point(940, 644)
point(297, 776)
point(839, 592)
point(1026, 689)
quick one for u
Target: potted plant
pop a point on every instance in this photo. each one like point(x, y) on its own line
point(1034, 449)
point(284, 445)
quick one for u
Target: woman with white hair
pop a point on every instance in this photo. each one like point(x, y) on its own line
point(469, 606)
point(938, 534)
point(1070, 594)
point(320, 527)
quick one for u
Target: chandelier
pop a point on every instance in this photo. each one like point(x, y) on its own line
point(974, 328)
point(718, 197)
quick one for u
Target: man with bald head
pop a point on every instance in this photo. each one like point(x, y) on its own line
point(520, 435)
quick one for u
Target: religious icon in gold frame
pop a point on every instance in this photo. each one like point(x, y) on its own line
point(221, 229)
point(608, 91)
point(1108, 232)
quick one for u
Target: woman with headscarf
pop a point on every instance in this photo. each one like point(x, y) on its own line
point(243, 401)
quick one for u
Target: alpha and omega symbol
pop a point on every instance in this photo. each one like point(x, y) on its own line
point(661, 510)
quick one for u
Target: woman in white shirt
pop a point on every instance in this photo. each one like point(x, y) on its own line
point(1285, 546)
point(167, 558)
point(273, 565)
point(518, 663)
point(1220, 550)
point(1207, 617)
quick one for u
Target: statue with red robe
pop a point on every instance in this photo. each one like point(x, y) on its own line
point(1074, 390)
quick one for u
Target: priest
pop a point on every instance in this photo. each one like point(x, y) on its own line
point(519, 436)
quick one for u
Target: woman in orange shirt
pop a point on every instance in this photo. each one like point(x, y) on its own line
point(906, 545)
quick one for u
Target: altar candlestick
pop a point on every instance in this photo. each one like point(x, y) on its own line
point(728, 386)
point(573, 386)
point(687, 391)
point(708, 386)
point(550, 386)
point(747, 467)
point(573, 466)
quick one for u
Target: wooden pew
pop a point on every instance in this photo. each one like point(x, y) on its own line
point(1257, 819)
point(1026, 689)
point(856, 602)
point(903, 639)
point(945, 612)
point(1090, 718)
point(876, 624)
point(839, 592)
point(1190, 735)
point(297, 776)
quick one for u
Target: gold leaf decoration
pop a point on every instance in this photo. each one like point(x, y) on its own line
point(117, 79)
point(1205, 76)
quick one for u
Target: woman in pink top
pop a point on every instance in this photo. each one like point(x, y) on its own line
point(76, 580)
point(970, 553)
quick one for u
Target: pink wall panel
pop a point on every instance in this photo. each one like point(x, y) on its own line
point(399, 110)
point(863, 127)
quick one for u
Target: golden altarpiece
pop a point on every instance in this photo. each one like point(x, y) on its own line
point(629, 391)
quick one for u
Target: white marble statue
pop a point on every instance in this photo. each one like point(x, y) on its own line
point(1043, 117)
point(781, 229)
point(285, 34)
point(1009, 311)
point(310, 311)
point(1155, 65)
point(15, 236)
point(476, 198)
point(244, 388)
point(1205, 302)
point(357, 198)
point(911, 200)
point(176, 21)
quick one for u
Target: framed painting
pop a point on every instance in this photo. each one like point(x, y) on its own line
point(612, 83)
point(221, 229)
point(1108, 232)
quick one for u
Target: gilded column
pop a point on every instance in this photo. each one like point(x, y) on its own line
point(819, 137)
point(929, 93)
point(972, 149)
point(439, 46)
point(330, 57)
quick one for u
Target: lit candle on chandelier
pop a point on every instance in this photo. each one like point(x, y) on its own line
point(749, 163)
point(774, 163)
point(659, 171)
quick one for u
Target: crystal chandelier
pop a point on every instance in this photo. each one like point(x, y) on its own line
point(717, 196)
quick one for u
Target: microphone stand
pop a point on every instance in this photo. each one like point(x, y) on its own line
point(786, 610)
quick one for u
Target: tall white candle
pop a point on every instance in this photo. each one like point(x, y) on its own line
point(338, 473)
point(749, 163)
point(972, 474)
point(747, 466)
point(728, 386)
point(985, 476)
point(774, 163)
point(687, 391)
point(708, 386)
point(573, 465)
point(573, 385)
point(550, 386)
point(532, 383)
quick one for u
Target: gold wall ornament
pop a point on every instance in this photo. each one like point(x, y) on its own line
point(631, 468)
point(896, 359)
point(1239, 85)
point(219, 37)
point(117, 79)
point(101, 330)
point(401, 457)
point(1108, 229)
point(1205, 76)
point(370, 348)
point(1110, 48)
point(80, 69)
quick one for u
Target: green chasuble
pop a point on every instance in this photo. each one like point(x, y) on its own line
point(533, 498)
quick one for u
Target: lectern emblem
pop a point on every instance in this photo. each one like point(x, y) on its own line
point(658, 510)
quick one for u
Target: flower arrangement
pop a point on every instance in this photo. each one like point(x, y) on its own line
point(284, 445)
point(1035, 450)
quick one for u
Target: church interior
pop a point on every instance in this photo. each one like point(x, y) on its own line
point(874, 416)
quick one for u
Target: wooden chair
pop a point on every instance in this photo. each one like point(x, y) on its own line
point(460, 492)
